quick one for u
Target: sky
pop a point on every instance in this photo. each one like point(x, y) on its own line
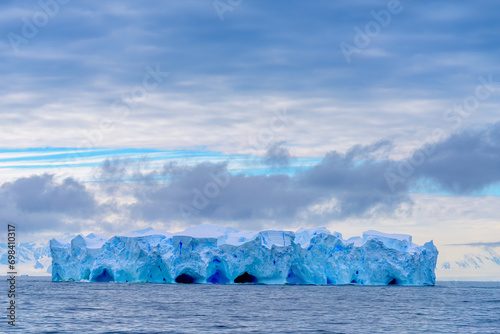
point(352, 115)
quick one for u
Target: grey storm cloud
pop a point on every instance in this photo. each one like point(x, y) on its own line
point(357, 180)
point(40, 202)
point(209, 191)
point(465, 162)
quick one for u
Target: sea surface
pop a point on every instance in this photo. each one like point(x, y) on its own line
point(69, 307)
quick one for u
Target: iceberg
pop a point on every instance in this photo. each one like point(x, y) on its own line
point(223, 255)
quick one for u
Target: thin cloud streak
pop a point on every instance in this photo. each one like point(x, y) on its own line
point(478, 244)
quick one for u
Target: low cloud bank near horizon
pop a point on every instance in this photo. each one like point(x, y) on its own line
point(478, 244)
point(341, 186)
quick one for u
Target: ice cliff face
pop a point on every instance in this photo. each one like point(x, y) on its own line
point(214, 254)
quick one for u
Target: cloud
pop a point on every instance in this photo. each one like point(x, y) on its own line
point(478, 244)
point(225, 75)
point(466, 162)
point(340, 187)
point(277, 155)
point(208, 191)
point(357, 181)
point(39, 203)
point(354, 181)
point(43, 194)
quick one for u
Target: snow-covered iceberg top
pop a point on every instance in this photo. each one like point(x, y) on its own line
point(216, 254)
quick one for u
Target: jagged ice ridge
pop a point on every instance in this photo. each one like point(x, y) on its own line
point(214, 254)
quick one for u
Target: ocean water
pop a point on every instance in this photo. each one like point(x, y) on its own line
point(71, 307)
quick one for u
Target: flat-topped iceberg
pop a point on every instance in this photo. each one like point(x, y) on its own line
point(215, 254)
